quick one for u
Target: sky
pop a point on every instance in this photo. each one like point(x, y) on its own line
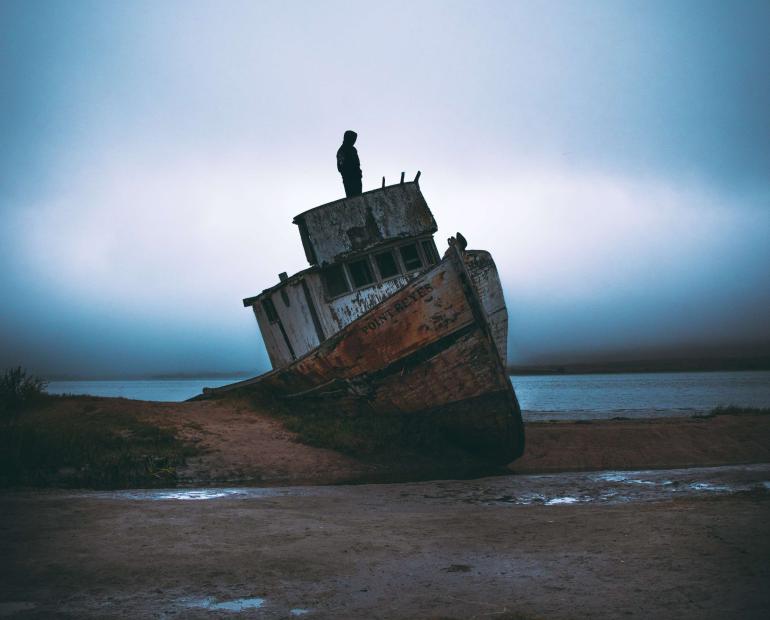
point(613, 156)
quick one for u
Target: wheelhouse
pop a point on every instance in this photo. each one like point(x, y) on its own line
point(361, 250)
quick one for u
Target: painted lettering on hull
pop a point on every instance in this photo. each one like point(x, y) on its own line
point(399, 306)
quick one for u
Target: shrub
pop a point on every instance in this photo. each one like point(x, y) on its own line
point(736, 410)
point(87, 441)
point(17, 389)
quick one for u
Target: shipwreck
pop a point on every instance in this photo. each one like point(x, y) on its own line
point(380, 323)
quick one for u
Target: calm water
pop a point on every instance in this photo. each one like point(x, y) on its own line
point(541, 397)
point(638, 395)
point(141, 389)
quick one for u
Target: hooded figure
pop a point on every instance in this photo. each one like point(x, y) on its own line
point(348, 164)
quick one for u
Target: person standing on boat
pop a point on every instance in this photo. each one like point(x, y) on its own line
point(349, 165)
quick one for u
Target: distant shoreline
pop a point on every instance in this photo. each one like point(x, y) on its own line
point(643, 366)
point(155, 377)
point(598, 368)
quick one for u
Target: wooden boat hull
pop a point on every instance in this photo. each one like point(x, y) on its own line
point(426, 351)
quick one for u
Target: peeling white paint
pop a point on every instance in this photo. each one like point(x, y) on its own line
point(362, 222)
point(486, 281)
point(376, 220)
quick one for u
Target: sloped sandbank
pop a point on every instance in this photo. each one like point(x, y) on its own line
point(115, 442)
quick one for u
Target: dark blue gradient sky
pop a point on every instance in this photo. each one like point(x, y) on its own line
point(613, 156)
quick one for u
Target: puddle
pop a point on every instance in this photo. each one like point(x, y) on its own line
point(195, 495)
point(234, 605)
point(238, 604)
point(522, 490)
point(598, 487)
point(625, 477)
point(199, 494)
point(613, 476)
point(706, 486)
point(561, 500)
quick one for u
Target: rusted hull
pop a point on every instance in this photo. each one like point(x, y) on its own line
point(428, 350)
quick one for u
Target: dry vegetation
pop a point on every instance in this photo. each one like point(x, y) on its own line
point(82, 441)
point(67, 440)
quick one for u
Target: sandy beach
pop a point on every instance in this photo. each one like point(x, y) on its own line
point(658, 518)
point(237, 441)
point(462, 549)
point(244, 444)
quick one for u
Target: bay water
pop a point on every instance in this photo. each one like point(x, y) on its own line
point(542, 397)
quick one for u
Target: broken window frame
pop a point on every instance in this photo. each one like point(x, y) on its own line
point(426, 260)
point(366, 260)
point(346, 280)
point(396, 264)
point(416, 245)
point(429, 251)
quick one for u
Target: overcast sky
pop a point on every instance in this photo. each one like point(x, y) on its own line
point(613, 156)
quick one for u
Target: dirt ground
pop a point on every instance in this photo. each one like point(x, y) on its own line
point(243, 444)
point(384, 551)
point(650, 443)
point(486, 548)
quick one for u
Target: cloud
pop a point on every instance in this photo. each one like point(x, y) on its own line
point(588, 259)
point(612, 156)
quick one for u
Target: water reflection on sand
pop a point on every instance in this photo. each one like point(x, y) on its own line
point(238, 604)
point(546, 489)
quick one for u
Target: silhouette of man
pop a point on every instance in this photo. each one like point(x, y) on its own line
point(349, 165)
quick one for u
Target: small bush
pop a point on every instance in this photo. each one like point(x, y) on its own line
point(17, 389)
point(73, 441)
point(735, 410)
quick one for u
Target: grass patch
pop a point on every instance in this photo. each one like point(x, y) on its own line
point(18, 391)
point(373, 437)
point(78, 441)
point(447, 439)
point(360, 435)
point(735, 410)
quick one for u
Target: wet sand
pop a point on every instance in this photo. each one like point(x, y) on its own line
point(667, 544)
point(658, 543)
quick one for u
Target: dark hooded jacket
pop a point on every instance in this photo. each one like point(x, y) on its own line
point(347, 157)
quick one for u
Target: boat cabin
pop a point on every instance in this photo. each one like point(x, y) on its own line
point(361, 250)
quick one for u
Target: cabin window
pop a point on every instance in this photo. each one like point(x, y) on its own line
point(410, 257)
point(335, 281)
point(360, 273)
point(429, 250)
point(387, 265)
point(269, 308)
point(285, 297)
